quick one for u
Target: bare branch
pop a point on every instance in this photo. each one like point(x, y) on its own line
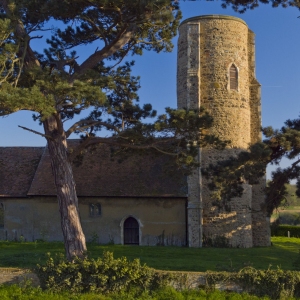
point(89, 123)
point(36, 37)
point(122, 57)
point(60, 64)
point(36, 132)
point(149, 43)
point(118, 43)
point(164, 152)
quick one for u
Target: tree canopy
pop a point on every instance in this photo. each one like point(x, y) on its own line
point(57, 84)
point(228, 175)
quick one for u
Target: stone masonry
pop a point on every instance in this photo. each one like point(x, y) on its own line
point(208, 47)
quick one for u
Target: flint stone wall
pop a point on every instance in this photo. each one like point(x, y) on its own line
point(207, 47)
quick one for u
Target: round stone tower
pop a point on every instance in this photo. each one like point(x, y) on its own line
point(216, 70)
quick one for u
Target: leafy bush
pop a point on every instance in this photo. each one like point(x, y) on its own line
point(276, 284)
point(104, 275)
point(282, 230)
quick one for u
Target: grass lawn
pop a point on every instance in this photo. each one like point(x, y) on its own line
point(282, 253)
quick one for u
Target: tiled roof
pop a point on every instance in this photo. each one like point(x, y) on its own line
point(17, 168)
point(98, 175)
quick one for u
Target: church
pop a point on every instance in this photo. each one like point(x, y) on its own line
point(143, 201)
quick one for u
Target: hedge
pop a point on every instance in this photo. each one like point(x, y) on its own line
point(282, 230)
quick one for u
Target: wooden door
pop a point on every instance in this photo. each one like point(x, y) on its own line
point(131, 231)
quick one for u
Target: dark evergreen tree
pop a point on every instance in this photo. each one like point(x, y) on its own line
point(56, 86)
point(249, 166)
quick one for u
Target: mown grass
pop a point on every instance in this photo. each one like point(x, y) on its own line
point(282, 253)
point(18, 293)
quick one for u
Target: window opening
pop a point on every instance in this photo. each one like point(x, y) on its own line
point(233, 77)
point(95, 209)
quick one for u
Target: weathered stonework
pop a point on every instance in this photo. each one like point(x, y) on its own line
point(207, 47)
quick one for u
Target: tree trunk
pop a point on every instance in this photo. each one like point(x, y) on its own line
point(74, 238)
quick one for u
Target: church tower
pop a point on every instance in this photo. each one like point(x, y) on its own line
point(216, 70)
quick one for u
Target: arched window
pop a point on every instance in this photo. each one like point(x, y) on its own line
point(131, 231)
point(233, 77)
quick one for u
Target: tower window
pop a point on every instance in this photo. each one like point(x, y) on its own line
point(233, 83)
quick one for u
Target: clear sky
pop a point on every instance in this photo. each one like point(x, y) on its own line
point(277, 69)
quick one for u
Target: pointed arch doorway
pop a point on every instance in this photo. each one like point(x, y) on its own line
point(131, 231)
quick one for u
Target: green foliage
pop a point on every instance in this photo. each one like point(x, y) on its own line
point(18, 293)
point(249, 166)
point(289, 218)
point(291, 199)
point(276, 284)
point(8, 59)
point(103, 275)
point(177, 133)
point(55, 84)
point(242, 6)
point(283, 143)
point(282, 230)
point(227, 176)
point(121, 279)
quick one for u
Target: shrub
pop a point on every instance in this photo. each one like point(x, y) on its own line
point(103, 275)
point(276, 284)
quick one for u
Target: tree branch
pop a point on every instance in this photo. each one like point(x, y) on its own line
point(20, 33)
point(60, 64)
point(36, 37)
point(88, 123)
point(114, 142)
point(118, 43)
point(36, 132)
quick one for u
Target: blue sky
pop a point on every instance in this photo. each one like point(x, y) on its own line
point(277, 69)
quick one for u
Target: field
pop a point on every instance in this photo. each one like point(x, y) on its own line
point(283, 253)
point(289, 212)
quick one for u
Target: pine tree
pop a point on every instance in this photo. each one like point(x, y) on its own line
point(227, 176)
point(56, 86)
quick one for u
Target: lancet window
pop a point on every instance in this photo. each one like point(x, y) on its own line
point(233, 77)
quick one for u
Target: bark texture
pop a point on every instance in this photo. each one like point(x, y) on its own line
point(74, 238)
